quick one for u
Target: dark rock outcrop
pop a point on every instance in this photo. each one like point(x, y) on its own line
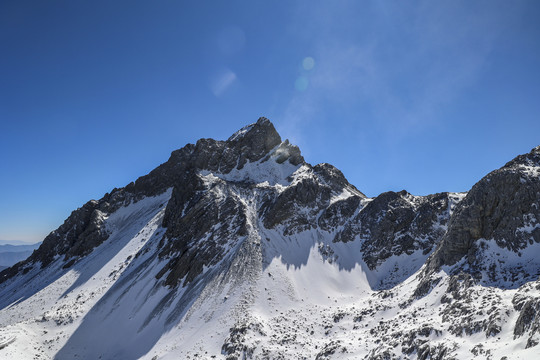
point(297, 208)
point(199, 231)
point(503, 206)
point(399, 223)
point(527, 303)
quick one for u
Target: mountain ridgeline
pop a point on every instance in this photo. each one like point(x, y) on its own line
point(276, 258)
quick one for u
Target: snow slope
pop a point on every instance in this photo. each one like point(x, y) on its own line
point(43, 310)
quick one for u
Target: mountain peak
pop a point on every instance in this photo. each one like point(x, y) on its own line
point(261, 122)
point(260, 141)
point(259, 136)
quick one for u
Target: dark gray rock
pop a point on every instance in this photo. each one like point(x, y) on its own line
point(527, 302)
point(299, 206)
point(339, 213)
point(234, 345)
point(285, 209)
point(500, 206)
point(200, 231)
point(330, 349)
point(397, 223)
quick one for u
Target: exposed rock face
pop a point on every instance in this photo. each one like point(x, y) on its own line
point(76, 237)
point(200, 231)
point(400, 223)
point(205, 216)
point(503, 207)
point(297, 208)
point(339, 213)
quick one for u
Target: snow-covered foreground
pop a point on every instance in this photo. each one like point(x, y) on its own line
point(294, 297)
point(315, 308)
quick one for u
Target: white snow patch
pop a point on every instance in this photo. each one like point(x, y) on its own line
point(267, 172)
point(240, 133)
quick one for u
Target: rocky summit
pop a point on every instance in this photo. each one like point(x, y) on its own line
point(239, 249)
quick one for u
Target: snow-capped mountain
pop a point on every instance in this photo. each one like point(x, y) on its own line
point(239, 249)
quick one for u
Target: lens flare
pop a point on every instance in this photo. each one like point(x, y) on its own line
point(222, 82)
point(308, 63)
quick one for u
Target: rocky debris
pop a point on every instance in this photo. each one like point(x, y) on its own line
point(467, 310)
point(458, 285)
point(330, 349)
point(421, 340)
point(235, 347)
point(479, 350)
point(409, 334)
point(377, 354)
point(527, 303)
point(437, 352)
point(417, 341)
point(527, 314)
point(424, 287)
point(327, 253)
point(414, 340)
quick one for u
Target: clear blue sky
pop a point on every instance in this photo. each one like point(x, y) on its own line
point(426, 96)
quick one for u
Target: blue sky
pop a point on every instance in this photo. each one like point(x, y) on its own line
point(424, 96)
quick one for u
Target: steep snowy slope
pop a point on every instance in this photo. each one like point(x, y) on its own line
point(43, 308)
point(240, 249)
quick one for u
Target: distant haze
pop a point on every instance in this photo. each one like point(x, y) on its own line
point(11, 252)
point(18, 242)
